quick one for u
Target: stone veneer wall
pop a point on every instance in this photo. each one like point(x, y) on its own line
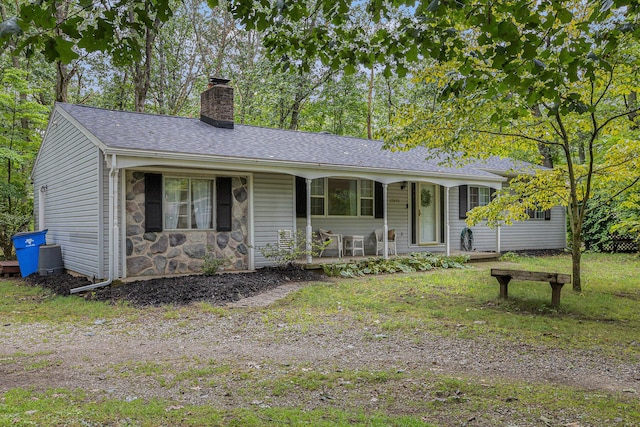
point(182, 251)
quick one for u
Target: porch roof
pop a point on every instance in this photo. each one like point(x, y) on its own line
point(154, 136)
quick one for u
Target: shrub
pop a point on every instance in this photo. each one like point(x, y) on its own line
point(296, 250)
point(212, 264)
point(405, 264)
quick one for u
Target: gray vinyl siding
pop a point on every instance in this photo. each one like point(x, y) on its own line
point(69, 164)
point(274, 209)
point(530, 234)
point(536, 233)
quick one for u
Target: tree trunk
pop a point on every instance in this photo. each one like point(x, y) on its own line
point(543, 149)
point(62, 82)
point(370, 106)
point(142, 75)
point(161, 78)
point(545, 152)
point(63, 74)
point(632, 103)
point(582, 154)
point(576, 254)
point(295, 113)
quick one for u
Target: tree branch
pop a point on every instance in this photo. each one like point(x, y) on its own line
point(513, 135)
point(612, 197)
point(617, 116)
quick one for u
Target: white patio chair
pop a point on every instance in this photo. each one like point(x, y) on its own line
point(391, 241)
point(335, 241)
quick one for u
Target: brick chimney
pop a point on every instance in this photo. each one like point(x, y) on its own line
point(216, 104)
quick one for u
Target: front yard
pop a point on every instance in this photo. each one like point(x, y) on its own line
point(435, 348)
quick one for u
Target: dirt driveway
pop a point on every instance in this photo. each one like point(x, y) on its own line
point(237, 358)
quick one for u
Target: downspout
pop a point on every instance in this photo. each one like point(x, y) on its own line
point(113, 227)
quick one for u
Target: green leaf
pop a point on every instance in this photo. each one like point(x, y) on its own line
point(65, 50)
point(412, 54)
point(528, 50)
point(349, 69)
point(565, 16)
point(42, 18)
point(71, 27)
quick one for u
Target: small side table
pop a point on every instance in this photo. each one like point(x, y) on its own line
point(353, 244)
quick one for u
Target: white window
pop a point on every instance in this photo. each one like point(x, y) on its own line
point(188, 203)
point(536, 214)
point(367, 202)
point(342, 197)
point(479, 196)
point(317, 196)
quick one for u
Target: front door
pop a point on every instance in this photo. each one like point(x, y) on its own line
point(427, 213)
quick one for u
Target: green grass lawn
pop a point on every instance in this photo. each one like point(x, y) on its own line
point(604, 317)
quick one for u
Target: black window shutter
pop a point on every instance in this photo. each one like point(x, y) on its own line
point(547, 215)
point(463, 189)
point(492, 193)
point(152, 202)
point(301, 197)
point(379, 201)
point(442, 214)
point(224, 200)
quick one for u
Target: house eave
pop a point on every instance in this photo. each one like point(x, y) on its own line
point(128, 158)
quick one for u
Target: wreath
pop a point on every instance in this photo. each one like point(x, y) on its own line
point(425, 197)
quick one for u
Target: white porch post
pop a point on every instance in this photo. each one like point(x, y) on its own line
point(115, 265)
point(385, 237)
point(498, 239)
point(309, 230)
point(447, 226)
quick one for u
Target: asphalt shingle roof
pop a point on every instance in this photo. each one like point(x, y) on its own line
point(157, 133)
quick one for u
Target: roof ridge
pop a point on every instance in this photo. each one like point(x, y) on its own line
point(111, 110)
point(143, 113)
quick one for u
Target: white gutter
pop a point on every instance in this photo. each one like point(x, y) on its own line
point(113, 230)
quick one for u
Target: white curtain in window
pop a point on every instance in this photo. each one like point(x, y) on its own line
point(171, 202)
point(171, 215)
point(201, 194)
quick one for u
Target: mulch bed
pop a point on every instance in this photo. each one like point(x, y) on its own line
point(218, 289)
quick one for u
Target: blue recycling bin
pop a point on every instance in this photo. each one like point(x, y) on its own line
point(27, 246)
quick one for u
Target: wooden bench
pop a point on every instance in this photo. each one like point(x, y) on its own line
point(556, 281)
point(9, 268)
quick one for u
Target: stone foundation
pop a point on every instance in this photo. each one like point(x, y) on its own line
point(182, 251)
